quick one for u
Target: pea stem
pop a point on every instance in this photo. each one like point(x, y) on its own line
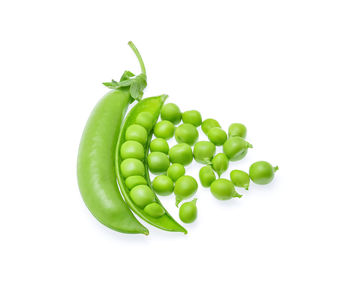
point(275, 168)
point(138, 55)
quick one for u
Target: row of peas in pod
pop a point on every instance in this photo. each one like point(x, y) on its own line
point(169, 163)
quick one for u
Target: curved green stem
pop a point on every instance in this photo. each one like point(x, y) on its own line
point(138, 55)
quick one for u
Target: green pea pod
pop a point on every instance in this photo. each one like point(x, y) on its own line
point(152, 105)
point(96, 157)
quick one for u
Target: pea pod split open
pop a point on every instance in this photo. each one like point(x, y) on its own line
point(153, 106)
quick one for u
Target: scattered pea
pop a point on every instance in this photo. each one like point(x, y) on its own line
point(136, 133)
point(192, 117)
point(223, 189)
point(186, 133)
point(132, 167)
point(217, 136)
point(204, 151)
point(237, 129)
point(154, 209)
point(142, 195)
point(262, 172)
point(208, 124)
point(206, 176)
point(164, 129)
point(134, 181)
point(163, 185)
point(132, 149)
point(240, 179)
point(145, 119)
point(236, 148)
point(220, 163)
point(188, 211)
point(158, 162)
point(171, 112)
point(181, 153)
point(159, 145)
point(175, 171)
point(185, 187)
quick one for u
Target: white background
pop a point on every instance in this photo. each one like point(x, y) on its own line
point(280, 67)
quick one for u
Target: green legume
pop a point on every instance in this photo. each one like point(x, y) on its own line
point(185, 187)
point(240, 179)
point(236, 148)
point(186, 133)
point(208, 124)
point(206, 176)
point(164, 129)
point(192, 117)
point(134, 181)
point(131, 167)
point(181, 153)
point(163, 185)
point(223, 189)
point(217, 136)
point(262, 172)
point(136, 133)
point(188, 211)
point(132, 149)
point(220, 163)
point(142, 195)
point(154, 209)
point(171, 112)
point(175, 171)
point(158, 162)
point(159, 145)
point(237, 129)
point(145, 119)
point(204, 151)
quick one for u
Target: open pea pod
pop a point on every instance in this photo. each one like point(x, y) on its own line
point(151, 105)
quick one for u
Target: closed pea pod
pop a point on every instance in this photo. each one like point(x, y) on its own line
point(208, 124)
point(192, 117)
point(165, 221)
point(220, 163)
point(188, 211)
point(204, 151)
point(240, 179)
point(217, 136)
point(206, 176)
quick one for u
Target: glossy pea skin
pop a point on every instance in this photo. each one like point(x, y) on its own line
point(192, 117)
point(186, 133)
point(206, 176)
point(136, 133)
point(262, 172)
point(145, 119)
point(132, 167)
point(220, 163)
point(175, 171)
point(188, 211)
point(164, 129)
point(223, 189)
point(237, 129)
point(181, 153)
point(217, 136)
point(236, 148)
point(132, 149)
point(240, 179)
point(204, 151)
point(134, 181)
point(163, 185)
point(158, 162)
point(171, 112)
point(185, 187)
point(159, 145)
point(154, 209)
point(208, 124)
point(142, 195)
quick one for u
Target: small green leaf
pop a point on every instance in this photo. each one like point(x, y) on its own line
point(126, 75)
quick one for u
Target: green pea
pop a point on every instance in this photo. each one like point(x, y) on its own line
point(186, 133)
point(192, 117)
point(163, 185)
point(171, 112)
point(223, 189)
point(175, 171)
point(240, 179)
point(208, 124)
point(217, 136)
point(134, 181)
point(262, 172)
point(181, 153)
point(132, 149)
point(185, 187)
point(206, 176)
point(145, 119)
point(188, 211)
point(159, 145)
point(236, 148)
point(132, 167)
point(136, 133)
point(164, 129)
point(220, 163)
point(204, 151)
point(142, 195)
point(237, 129)
point(154, 209)
point(158, 162)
